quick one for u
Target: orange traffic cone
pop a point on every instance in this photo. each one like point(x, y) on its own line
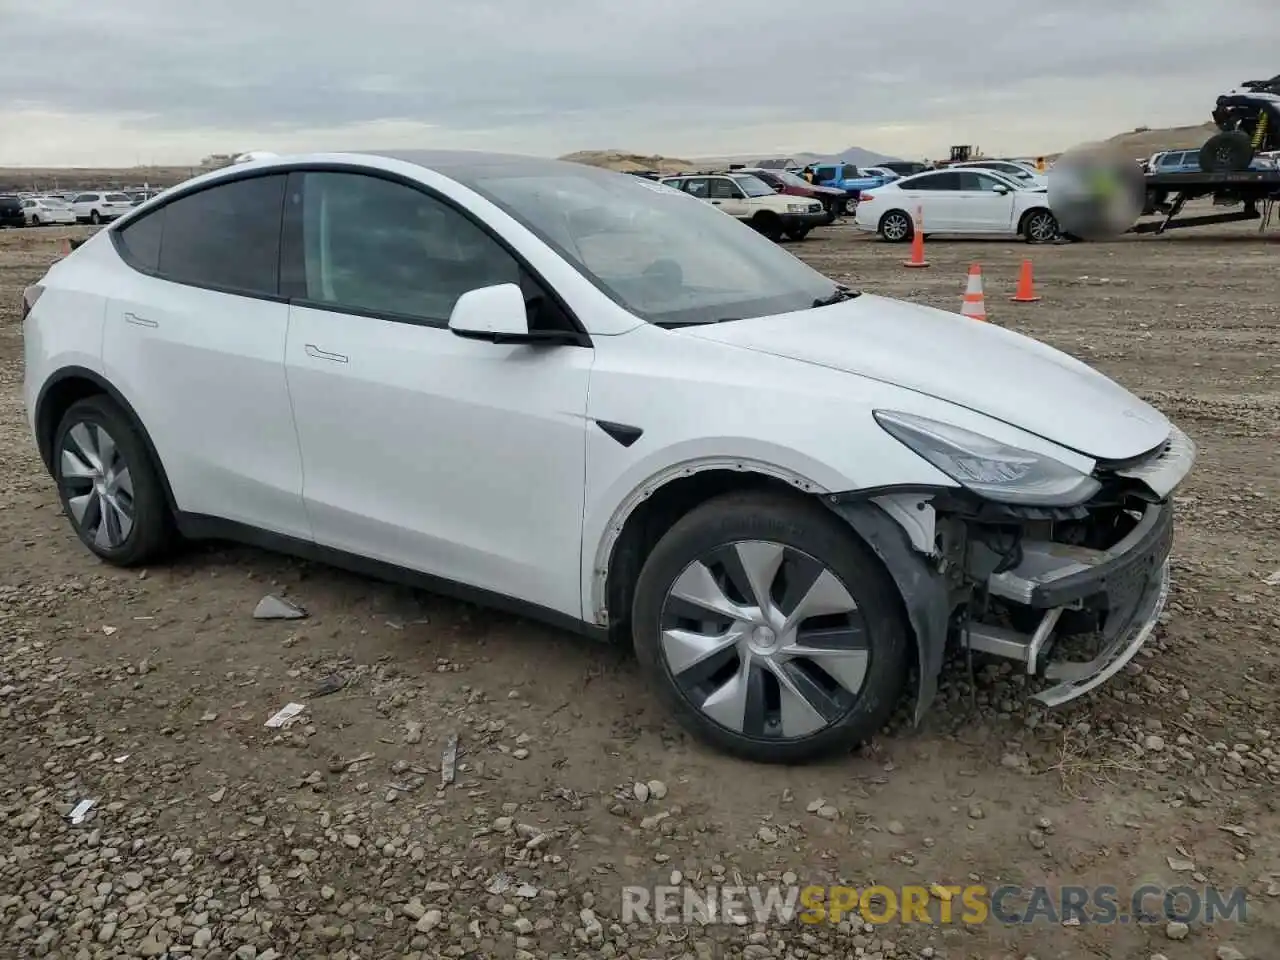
point(974, 304)
point(917, 242)
point(1026, 287)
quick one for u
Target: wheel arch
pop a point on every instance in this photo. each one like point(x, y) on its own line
point(71, 384)
point(652, 506)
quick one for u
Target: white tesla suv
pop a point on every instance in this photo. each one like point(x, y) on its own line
point(597, 400)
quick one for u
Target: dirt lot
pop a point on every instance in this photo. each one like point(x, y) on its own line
point(214, 836)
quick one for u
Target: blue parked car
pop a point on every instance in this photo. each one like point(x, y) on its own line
point(846, 177)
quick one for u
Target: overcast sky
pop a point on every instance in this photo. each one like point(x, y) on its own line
point(118, 82)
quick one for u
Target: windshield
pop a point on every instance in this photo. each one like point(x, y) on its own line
point(663, 255)
point(753, 186)
point(1013, 170)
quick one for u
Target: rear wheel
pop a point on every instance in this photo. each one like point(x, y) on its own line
point(108, 485)
point(1226, 152)
point(35, 220)
point(770, 629)
point(896, 227)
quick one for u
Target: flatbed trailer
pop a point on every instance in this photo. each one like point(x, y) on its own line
point(1167, 193)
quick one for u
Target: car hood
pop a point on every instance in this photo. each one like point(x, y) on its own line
point(976, 365)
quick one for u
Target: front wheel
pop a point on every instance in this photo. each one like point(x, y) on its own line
point(109, 487)
point(94, 218)
point(35, 221)
point(769, 629)
point(769, 225)
point(1226, 152)
point(896, 227)
point(798, 233)
point(1040, 226)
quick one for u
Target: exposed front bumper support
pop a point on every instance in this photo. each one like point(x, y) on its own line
point(1076, 678)
point(1129, 581)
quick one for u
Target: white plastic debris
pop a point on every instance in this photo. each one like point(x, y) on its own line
point(272, 607)
point(1273, 580)
point(449, 761)
point(108, 630)
point(286, 715)
point(80, 811)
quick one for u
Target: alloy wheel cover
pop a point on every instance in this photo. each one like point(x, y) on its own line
point(765, 640)
point(97, 484)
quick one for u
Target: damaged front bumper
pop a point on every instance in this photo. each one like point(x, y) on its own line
point(1125, 587)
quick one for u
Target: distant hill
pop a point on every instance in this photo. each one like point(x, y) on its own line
point(858, 156)
point(1143, 143)
point(624, 162)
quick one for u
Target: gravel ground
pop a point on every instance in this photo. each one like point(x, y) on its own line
point(214, 836)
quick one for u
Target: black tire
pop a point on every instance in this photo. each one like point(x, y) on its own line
point(151, 530)
point(1039, 226)
point(94, 217)
point(831, 211)
point(769, 225)
point(35, 220)
point(896, 226)
point(1226, 152)
point(817, 535)
point(798, 234)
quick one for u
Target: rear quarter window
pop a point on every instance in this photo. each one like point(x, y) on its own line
point(139, 242)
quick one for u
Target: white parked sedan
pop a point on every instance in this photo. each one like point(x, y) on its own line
point(956, 201)
point(41, 211)
point(1027, 177)
point(598, 400)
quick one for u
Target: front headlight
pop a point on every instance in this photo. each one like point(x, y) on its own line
point(988, 468)
point(797, 207)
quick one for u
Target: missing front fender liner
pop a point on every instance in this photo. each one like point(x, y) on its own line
point(924, 592)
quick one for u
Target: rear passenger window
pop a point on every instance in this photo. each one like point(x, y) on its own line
point(139, 242)
point(226, 237)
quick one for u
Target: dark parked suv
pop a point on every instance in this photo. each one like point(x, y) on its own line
point(11, 212)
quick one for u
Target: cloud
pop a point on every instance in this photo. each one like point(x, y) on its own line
point(162, 81)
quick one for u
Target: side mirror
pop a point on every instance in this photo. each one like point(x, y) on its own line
point(1000, 188)
point(499, 314)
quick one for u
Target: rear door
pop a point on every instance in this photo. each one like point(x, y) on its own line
point(195, 339)
point(932, 199)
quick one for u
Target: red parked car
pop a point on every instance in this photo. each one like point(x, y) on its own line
point(834, 201)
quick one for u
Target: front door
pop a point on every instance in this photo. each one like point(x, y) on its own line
point(453, 457)
point(728, 196)
point(981, 207)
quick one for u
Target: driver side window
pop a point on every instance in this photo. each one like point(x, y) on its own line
point(373, 246)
